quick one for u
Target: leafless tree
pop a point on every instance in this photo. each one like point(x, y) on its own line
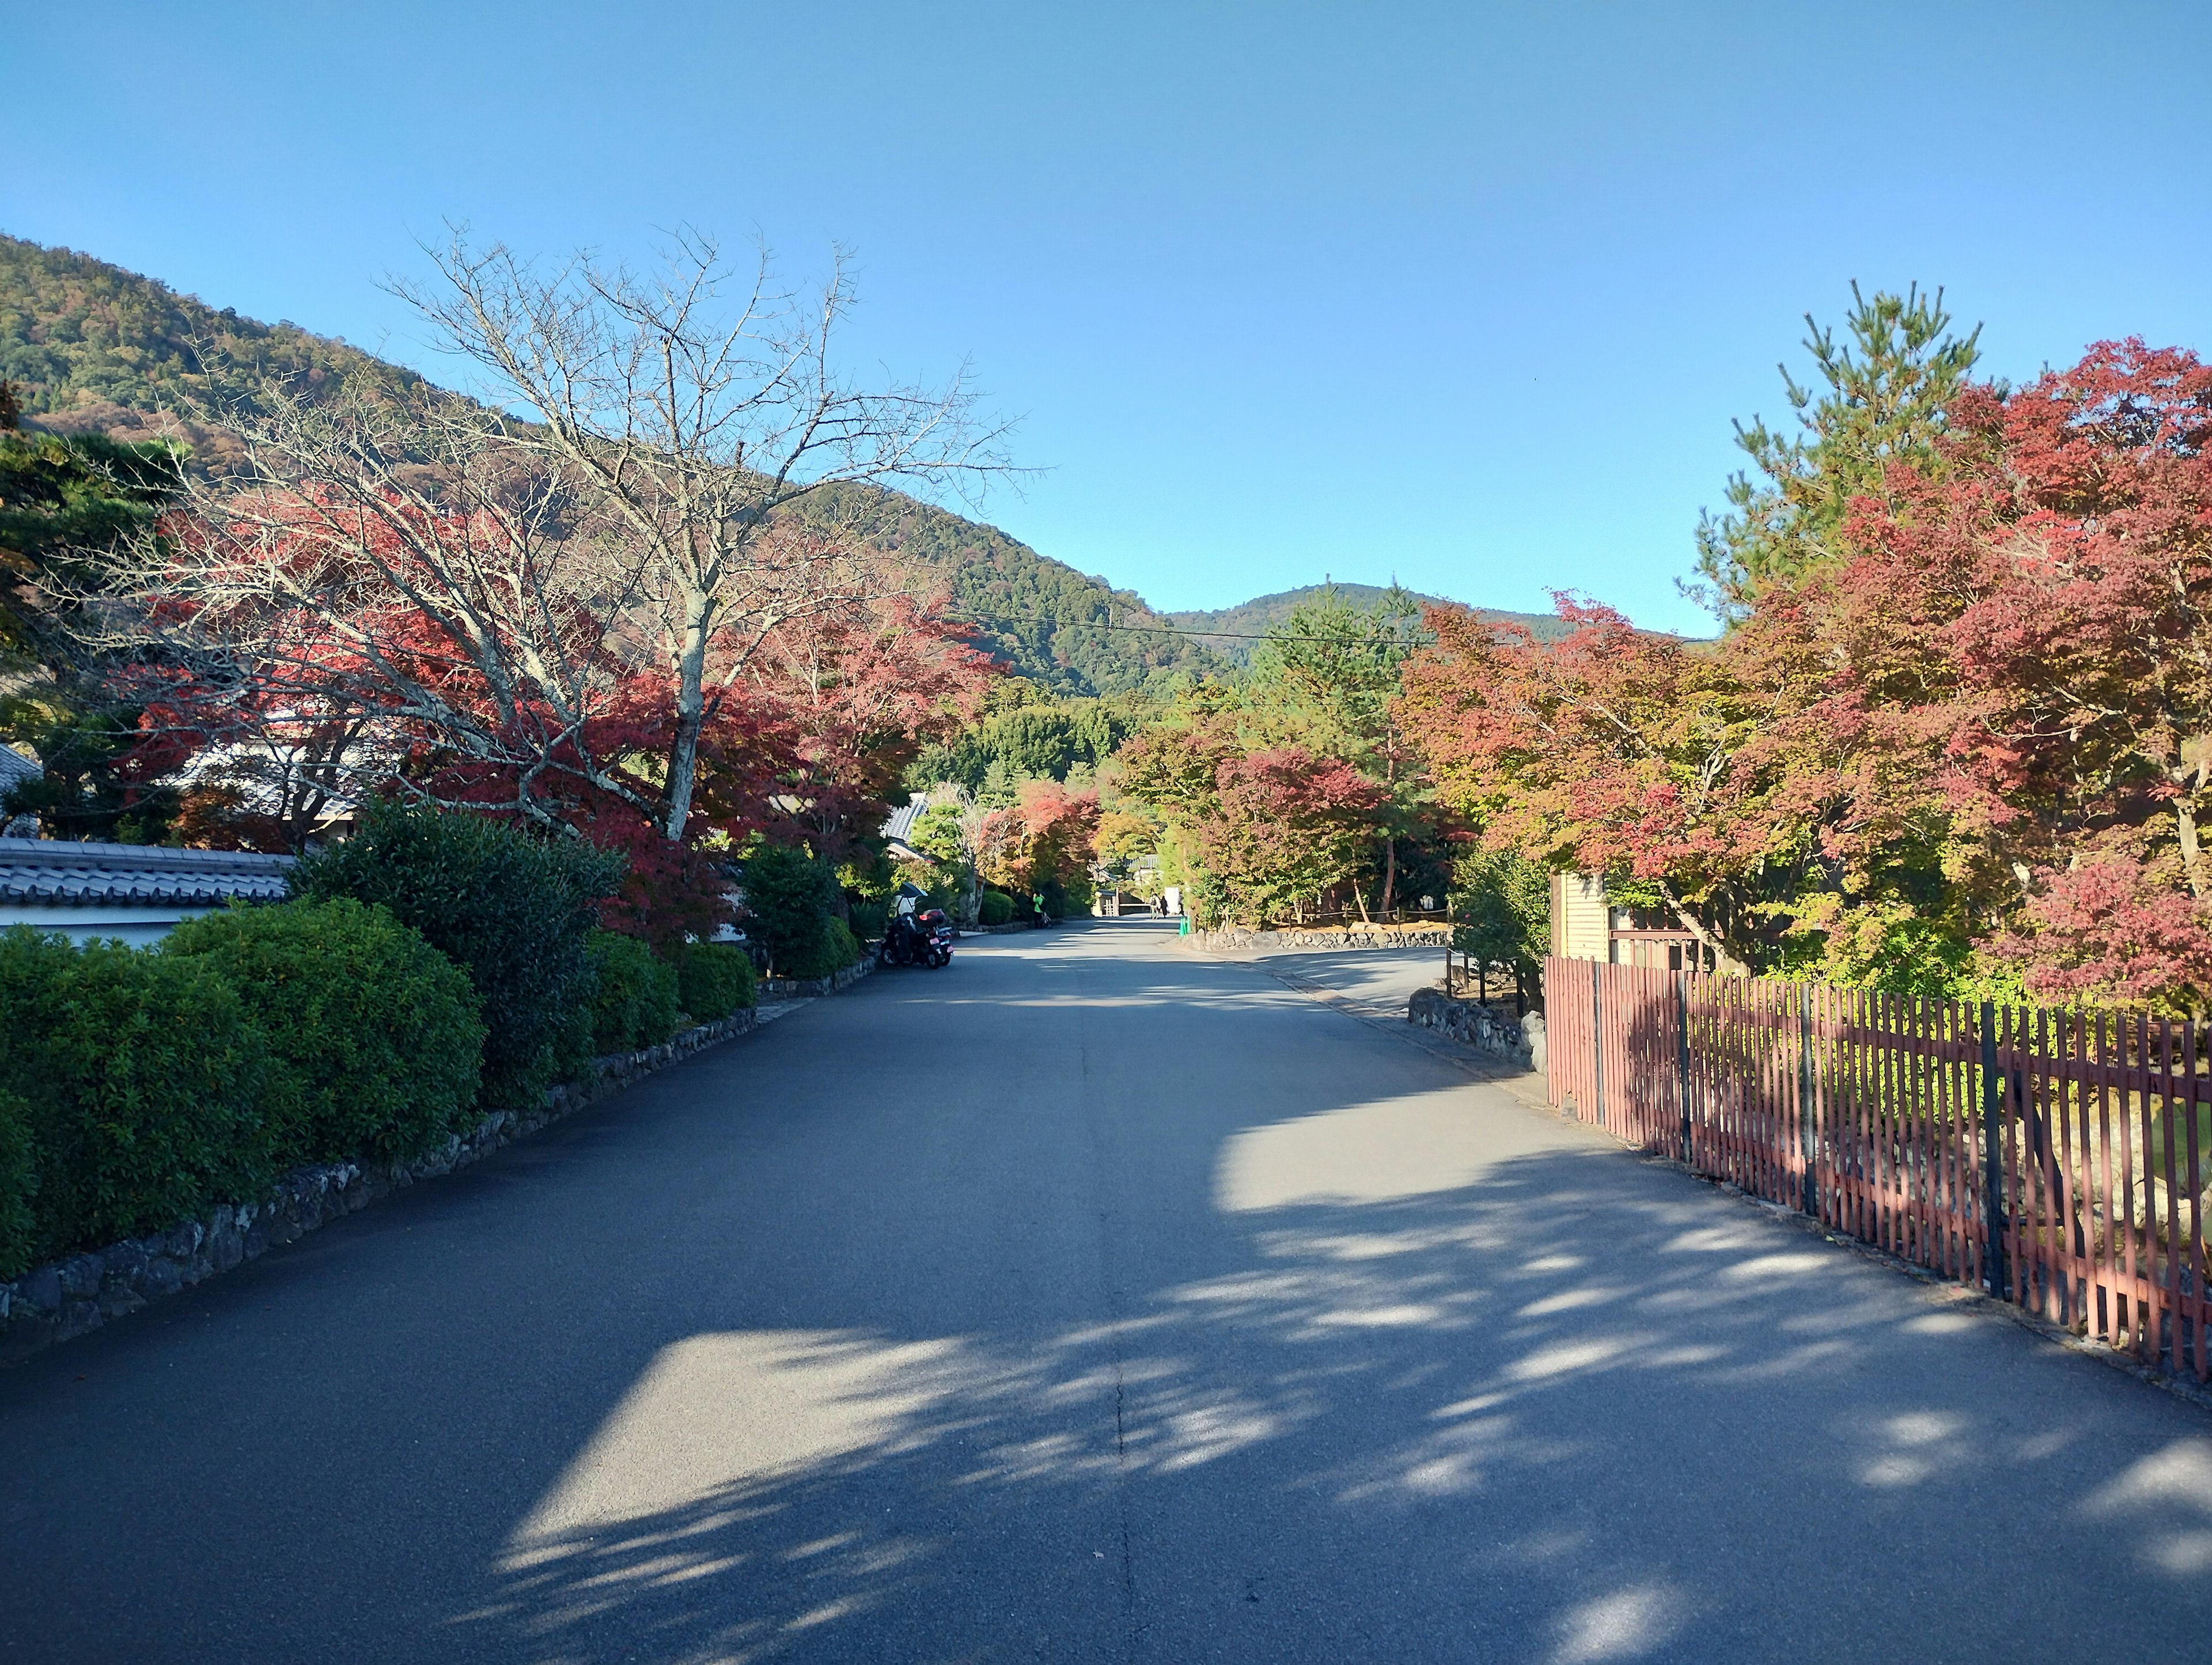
point(685, 410)
point(365, 577)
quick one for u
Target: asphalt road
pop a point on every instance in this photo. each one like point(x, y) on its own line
point(1089, 1300)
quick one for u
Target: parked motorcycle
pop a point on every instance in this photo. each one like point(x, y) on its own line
point(918, 938)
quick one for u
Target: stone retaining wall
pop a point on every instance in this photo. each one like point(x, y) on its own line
point(799, 988)
point(62, 1301)
point(1520, 1042)
point(1352, 936)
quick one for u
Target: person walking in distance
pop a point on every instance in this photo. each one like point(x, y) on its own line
point(1036, 901)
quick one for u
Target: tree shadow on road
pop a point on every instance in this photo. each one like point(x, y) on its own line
point(1496, 1399)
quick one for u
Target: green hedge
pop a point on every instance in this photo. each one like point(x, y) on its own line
point(787, 905)
point(995, 908)
point(868, 919)
point(715, 978)
point(19, 1184)
point(143, 1083)
point(375, 1032)
point(512, 910)
point(636, 1004)
point(835, 948)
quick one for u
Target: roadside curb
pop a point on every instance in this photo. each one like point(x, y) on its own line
point(58, 1302)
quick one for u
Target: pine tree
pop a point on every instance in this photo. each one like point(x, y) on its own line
point(1887, 391)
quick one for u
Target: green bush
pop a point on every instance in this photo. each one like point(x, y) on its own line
point(995, 908)
point(868, 919)
point(636, 1002)
point(715, 978)
point(145, 1083)
point(512, 910)
point(787, 902)
point(19, 1186)
point(375, 1032)
point(835, 948)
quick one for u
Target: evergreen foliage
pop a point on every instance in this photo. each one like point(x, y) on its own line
point(1883, 400)
point(715, 978)
point(372, 1033)
point(19, 1185)
point(1033, 741)
point(63, 500)
point(146, 1082)
point(637, 1000)
point(790, 898)
point(1263, 614)
point(512, 910)
point(1501, 907)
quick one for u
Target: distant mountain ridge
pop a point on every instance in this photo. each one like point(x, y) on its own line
point(1257, 617)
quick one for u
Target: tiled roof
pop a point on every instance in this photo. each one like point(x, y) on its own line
point(64, 874)
point(900, 824)
point(14, 766)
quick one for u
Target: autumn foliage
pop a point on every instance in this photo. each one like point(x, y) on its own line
point(1264, 828)
point(1973, 746)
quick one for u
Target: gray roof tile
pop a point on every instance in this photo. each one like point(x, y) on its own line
point(61, 873)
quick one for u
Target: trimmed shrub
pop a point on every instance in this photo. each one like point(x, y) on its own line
point(787, 899)
point(375, 1033)
point(834, 949)
point(512, 911)
point(19, 1186)
point(715, 978)
point(144, 1082)
point(636, 1004)
point(995, 908)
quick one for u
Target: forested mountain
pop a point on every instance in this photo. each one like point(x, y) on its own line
point(1255, 617)
point(90, 346)
point(1072, 633)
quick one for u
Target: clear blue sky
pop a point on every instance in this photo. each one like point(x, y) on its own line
point(1465, 294)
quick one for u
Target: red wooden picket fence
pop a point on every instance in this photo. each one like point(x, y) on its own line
point(2076, 1142)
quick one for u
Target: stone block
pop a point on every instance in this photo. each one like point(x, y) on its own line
point(40, 1289)
point(162, 1276)
point(81, 1275)
point(226, 1246)
point(124, 1263)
